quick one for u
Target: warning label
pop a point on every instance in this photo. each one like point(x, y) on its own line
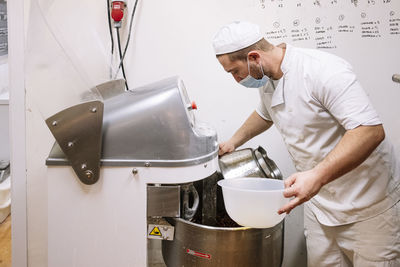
point(155, 232)
point(160, 231)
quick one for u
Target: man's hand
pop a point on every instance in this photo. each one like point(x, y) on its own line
point(302, 186)
point(226, 147)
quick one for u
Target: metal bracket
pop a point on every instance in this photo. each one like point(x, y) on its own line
point(78, 131)
point(105, 90)
point(110, 89)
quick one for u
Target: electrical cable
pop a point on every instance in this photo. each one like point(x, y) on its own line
point(128, 39)
point(111, 35)
point(121, 59)
point(109, 26)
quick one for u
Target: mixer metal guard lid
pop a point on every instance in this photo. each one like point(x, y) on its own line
point(153, 125)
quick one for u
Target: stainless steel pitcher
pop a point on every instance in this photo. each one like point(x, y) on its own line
point(248, 163)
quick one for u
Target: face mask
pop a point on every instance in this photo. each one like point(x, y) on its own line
point(252, 82)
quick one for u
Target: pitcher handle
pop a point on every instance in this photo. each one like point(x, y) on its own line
point(275, 172)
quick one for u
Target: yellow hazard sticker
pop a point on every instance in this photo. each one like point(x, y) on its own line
point(155, 231)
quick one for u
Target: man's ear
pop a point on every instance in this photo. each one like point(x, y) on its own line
point(254, 56)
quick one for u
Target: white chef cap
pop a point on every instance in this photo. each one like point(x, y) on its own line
point(235, 36)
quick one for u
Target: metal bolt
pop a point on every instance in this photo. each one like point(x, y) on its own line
point(94, 110)
point(135, 171)
point(54, 123)
point(205, 165)
point(147, 164)
point(70, 144)
point(83, 166)
point(89, 174)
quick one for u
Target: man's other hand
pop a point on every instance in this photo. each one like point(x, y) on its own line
point(225, 147)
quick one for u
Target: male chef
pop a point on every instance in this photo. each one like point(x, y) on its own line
point(347, 173)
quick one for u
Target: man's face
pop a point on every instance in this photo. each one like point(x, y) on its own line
point(239, 68)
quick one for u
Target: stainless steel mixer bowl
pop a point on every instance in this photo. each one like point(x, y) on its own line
point(200, 245)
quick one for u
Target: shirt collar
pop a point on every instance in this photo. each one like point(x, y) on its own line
point(286, 59)
point(278, 97)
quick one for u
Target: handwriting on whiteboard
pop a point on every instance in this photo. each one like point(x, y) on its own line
point(324, 24)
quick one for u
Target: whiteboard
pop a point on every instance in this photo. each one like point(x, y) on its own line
point(365, 33)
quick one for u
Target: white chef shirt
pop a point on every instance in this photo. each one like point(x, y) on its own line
point(312, 105)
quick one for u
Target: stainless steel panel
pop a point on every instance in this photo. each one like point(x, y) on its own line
point(163, 201)
point(109, 89)
point(199, 245)
point(78, 132)
point(152, 125)
point(57, 158)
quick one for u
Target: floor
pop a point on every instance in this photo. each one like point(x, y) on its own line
point(5, 243)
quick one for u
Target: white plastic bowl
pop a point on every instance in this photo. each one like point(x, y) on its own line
point(254, 202)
